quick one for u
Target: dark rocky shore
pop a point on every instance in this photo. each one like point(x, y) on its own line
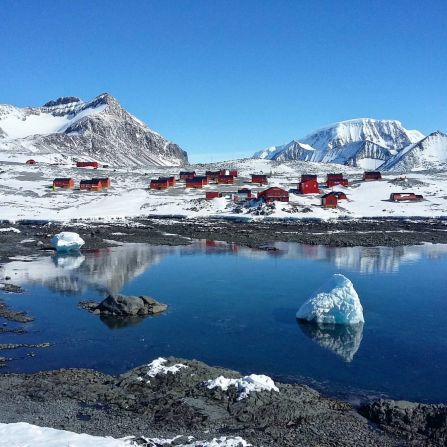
point(166, 405)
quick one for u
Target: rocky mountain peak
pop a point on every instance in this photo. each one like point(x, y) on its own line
point(63, 100)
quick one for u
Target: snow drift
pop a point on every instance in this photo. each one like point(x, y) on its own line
point(336, 302)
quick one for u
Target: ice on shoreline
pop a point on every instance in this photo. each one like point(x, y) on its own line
point(67, 241)
point(336, 302)
point(244, 385)
point(22, 434)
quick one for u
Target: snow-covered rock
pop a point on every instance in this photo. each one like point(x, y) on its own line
point(158, 366)
point(336, 302)
point(67, 241)
point(245, 385)
point(68, 128)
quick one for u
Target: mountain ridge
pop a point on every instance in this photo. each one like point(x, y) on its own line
point(99, 129)
point(363, 142)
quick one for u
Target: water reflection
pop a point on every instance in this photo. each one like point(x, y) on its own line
point(121, 322)
point(109, 270)
point(343, 340)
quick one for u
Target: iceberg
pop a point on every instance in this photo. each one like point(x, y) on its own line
point(336, 302)
point(67, 241)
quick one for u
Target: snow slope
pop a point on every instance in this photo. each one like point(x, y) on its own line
point(429, 153)
point(364, 142)
point(25, 193)
point(68, 129)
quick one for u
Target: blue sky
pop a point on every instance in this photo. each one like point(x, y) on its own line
point(225, 78)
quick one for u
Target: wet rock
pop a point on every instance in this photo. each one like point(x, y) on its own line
point(422, 419)
point(14, 315)
point(125, 306)
point(10, 288)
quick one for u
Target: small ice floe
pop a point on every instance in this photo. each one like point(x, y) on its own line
point(245, 385)
point(336, 302)
point(67, 241)
point(158, 366)
point(9, 230)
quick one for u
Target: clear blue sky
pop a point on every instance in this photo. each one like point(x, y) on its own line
point(225, 78)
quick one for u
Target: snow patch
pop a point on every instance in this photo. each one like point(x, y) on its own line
point(244, 385)
point(336, 302)
point(9, 230)
point(158, 366)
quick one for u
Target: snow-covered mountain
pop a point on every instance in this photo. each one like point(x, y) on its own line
point(363, 142)
point(100, 129)
point(429, 153)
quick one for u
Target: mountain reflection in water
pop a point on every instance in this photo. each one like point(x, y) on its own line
point(109, 270)
point(343, 340)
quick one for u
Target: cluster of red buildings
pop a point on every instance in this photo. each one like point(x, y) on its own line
point(94, 184)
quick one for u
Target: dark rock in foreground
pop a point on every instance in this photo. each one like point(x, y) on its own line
point(169, 397)
point(409, 417)
point(14, 315)
point(124, 306)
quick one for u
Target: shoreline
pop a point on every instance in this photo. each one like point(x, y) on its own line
point(172, 396)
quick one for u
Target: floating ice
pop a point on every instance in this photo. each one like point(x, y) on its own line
point(336, 302)
point(244, 385)
point(67, 241)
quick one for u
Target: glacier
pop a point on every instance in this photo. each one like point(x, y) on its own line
point(336, 302)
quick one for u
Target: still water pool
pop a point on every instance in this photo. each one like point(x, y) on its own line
point(235, 307)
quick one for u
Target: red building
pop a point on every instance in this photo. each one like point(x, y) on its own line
point(90, 185)
point(31, 162)
point(212, 195)
point(67, 183)
point(159, 184)
point(259, 178)
point(336, 179)
point(212, 175)
point(340, 195)
point(225, 179)
point(405, 197)
point(274, 194)
point(308, 186)
point(197, 182)
point(371, 175)
point(87, 164)
point(329, 200)
point(245, 192)
point(171, 180)
point(105, 182)
point(185, 175)
point(233, 172)
point(305, 177)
